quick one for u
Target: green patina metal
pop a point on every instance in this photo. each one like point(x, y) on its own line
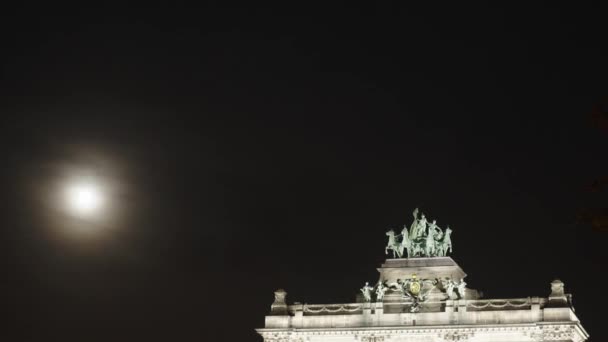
point(423, 239)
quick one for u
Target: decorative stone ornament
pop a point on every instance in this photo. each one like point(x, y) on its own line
point(414, 286)
point(372, 338)
point(279, 306)
point(414, 290)
point(457, 335)
point(557, 289)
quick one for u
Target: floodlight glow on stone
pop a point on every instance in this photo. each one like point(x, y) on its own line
point(84, 199)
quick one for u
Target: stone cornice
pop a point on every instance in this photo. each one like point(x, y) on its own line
point(554, 331)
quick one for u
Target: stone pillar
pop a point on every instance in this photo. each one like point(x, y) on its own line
point(462, 305)
point(367, 313)
point(378, 312)
point(461, 311)
point(535, 311)
point(298, 317)
point(379, 309)
point(557, 307)
point(449, 306)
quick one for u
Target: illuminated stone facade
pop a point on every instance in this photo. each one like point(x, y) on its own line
point(421, 302)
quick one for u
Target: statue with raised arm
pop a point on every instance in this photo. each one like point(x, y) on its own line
point(433, 228)
point(367, 292)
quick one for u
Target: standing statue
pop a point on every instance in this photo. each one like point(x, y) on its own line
point(414, 227)
point(418, 226)
point(367, 292)
point(429, 245)
point(449, 288)
point(461, 289)
point(406, 243)
point(422, 225)
point(380, 290)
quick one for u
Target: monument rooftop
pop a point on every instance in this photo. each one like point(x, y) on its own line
point(424, 297)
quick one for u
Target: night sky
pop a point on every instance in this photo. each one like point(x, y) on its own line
point(244, 150)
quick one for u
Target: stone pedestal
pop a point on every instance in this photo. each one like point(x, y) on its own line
point(423, 268)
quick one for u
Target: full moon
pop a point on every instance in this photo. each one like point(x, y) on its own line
point(84, 199)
